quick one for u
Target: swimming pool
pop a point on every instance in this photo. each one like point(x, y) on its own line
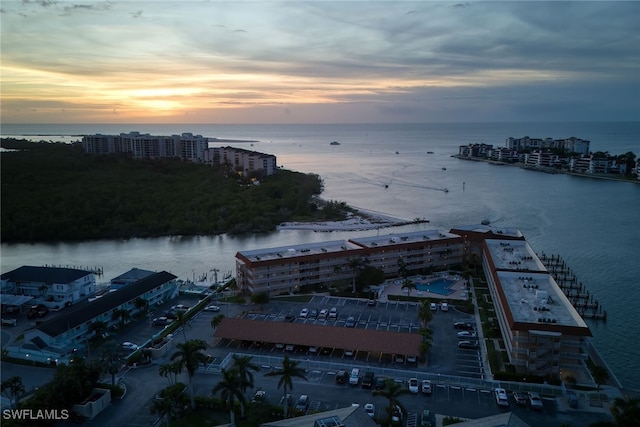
point(437, 286)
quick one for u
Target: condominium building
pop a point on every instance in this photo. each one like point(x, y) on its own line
point(570, 145)
point(542, 331)
point(241, 160)
point(287, 269)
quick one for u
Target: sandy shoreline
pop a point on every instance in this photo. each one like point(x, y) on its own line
point(361, 219)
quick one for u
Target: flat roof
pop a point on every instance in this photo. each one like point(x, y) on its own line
point(514, 255)
point(404, 238)
point(481, 228)
point(537, 298)
point(356, 339)
point(292, 251)
point(29, 273)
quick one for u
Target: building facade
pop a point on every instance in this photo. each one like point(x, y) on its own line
point(542, 331)
point(52, 286)
point(288, 269)
point(241, 160)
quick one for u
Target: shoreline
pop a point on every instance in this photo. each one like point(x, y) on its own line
point(360, 219)
point(547, 170)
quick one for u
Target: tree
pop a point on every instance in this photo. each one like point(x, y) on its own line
point(182, 323)
point(600, 375)
point(98, 327)
point(243, 366)
point(288, 371)
point(170, 371)
point(141, 304)
point(402, 268)
point(189, 356)
point(121, 316)
point(231, 388)
point(392, 393)
point(626, 411)
point(260, 299)
point(161, 407)
point(215, 322)
point(424, 313)
point(13, 389)
point(407, 284)
point(355, 265)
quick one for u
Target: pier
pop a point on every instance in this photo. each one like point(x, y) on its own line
point(582, 300)
point(95, 270)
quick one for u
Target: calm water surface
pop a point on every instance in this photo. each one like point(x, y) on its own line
point(593, 224)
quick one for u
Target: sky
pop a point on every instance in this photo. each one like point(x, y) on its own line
point(318, 61)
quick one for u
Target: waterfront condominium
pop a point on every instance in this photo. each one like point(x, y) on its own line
point(543, 333)
point(290, 268)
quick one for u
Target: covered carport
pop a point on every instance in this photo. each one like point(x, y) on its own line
point(371, 341)
point(14, 302)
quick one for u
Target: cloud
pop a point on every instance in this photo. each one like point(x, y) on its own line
point(383, 60)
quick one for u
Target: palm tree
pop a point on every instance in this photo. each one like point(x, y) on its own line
point(402, 268)
point(288, 371)
point(355, 264)
point(626, 411)
point(243, 367)
point(424, 313)
point(121, 315)
point(215, 322)
point(392, 393)
point(141, 304)
point(170, 371)
point(182, 323)
point(189, 356)
point(13, 389)
point(162, 407)
point(98, 327)
point(407, 284)
point(600, 375)
point(231, 388)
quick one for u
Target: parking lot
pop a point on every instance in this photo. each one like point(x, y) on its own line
point(444, 357)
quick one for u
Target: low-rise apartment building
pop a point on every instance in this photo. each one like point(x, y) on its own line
point(241, 160)
point(287, 269)
point(54, 287)
point(542, 331)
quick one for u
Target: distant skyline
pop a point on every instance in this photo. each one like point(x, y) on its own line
point(318, 61)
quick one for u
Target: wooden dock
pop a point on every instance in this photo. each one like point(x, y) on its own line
point(582, 300)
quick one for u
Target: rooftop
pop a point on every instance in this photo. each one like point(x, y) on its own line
point(537, 298)
point(292, 251)
point(403, 238)
point(44, 274)
point(500, 231)
point(514, 255)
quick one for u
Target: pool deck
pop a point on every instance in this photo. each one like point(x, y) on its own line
point(394, 287)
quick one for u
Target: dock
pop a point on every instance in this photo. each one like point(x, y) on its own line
point(582, 300)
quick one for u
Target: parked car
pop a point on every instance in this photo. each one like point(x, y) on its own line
point(313, 349)
point(129, 346)
point(342, 377)
point(180, 307)
point(444, 306)
point(170, 315)
point(289, 318)
point(501, 397)
point(39, 310)
point(426, 387)
point(469, 345)
point(259, 396)
point(467, 334)
point(279, 346)
point(413, 385)
point(399, 358)
point(572, 400)
point(370, 409)
point(381, 383)
point(368, 379)
point(323, 313)
point(371, 302)
point(289, 347)
point(349, 353)
point(354, 378)
point(433, 306)
point(9, 322)
point(425, 419)
point(351, 322)
point(162, 321)
point(212, 308)
point(519, 398)
point(313, 314)
point(396, 414)
point(535, 402)
point(304, 313)
point(303, 403)
point(333, 313)
point(463, 324)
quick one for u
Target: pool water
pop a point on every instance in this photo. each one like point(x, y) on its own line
point(438, 286)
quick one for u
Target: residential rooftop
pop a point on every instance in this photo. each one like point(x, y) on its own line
point(481, 228)
point(403, 238)
point(514, 255)
point(292, 251)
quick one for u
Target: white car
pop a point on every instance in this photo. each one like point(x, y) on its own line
point(433, 306)
point(212, 308)
point(413, 385)
point(501, 397)
point(426, 387)
point(467, 334)
point(180, 307)
point(129, 346)
point(370, 409)
point(304, 313)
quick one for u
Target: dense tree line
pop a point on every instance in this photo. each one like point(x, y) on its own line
point(55, 191)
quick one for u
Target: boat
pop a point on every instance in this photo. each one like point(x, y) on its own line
point(444, 169)
point(446, 190)
point(485, 222)
point(429, 152)
point(397, 152)
point(334, 143)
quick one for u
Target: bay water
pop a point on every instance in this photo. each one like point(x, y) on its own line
point(402, 170)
